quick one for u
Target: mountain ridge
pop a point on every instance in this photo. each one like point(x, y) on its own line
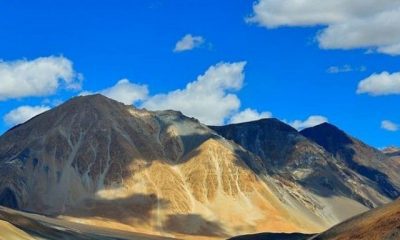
point(307, 163)
point(101, 162)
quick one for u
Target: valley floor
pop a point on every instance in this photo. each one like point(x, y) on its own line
point(16, 225)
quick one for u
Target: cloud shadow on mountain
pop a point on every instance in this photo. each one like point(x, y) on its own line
point(137, 208)
point(193, 224)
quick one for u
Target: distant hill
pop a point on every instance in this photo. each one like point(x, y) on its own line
point(377, 224)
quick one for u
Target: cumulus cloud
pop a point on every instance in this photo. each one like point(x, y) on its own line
point(209, 98)
point(309, 122)
point(389, 126)
point(23, 113)
point(188, 42)
point(39, 77)
point(124, 91)
point(380, 84)
point(248, 115)
point(346, 24)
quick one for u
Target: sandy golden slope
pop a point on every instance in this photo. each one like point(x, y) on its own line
point(212, 193)
point(10, 232)
point(378, 224)
point(96, 161)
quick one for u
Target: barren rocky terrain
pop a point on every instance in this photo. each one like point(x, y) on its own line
point(96, 166)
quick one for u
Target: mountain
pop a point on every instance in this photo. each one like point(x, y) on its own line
point(391, 151)
point(356, 155)
point(382, 223)
point(99, 162)
point(306, 167)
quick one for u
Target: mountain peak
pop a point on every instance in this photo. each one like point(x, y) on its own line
point(328, 136)
point(325, 125)
point(94, 100)
point(272, 123)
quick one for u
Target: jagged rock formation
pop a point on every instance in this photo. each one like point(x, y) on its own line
point(100, 162)
point(310, 171)
point(382, 223)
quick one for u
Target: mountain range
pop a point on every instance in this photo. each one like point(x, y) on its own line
point(94, 163)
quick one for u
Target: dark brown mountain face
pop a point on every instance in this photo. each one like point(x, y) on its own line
point(314, 169)
point(271, 139)
point(356, 155)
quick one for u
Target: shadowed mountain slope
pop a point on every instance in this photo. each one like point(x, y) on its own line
point(309, 170)
point(97, 161)
point(356, 155)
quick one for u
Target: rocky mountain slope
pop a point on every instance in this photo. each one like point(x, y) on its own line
point(310, 171)
point(356, 155)
point(382, 223)
point(96, 161)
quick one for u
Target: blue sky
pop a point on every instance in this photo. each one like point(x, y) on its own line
point(285, 63)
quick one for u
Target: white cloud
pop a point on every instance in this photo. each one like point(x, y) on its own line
point(345, 68)
point(126, 92)
point(210, 98)
point(346, 24)
point(380, 84)
point(188, 42)
point(248, 115)
point(23, 113)
point(389, 126)
point(38, 77)
point(309, 122)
